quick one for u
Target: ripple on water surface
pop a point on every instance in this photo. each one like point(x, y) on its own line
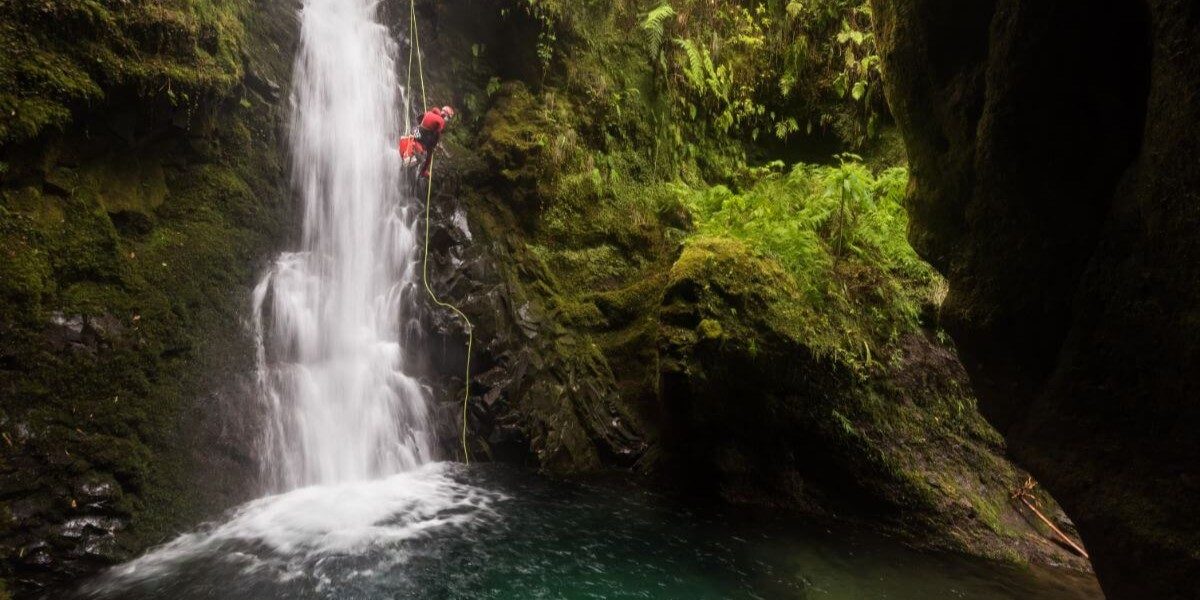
point(489, 532)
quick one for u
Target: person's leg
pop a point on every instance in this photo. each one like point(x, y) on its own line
point(428, 140)
point(429, 161)
point(429, 148)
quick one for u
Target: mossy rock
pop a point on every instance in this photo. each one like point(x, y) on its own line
point(141, 186)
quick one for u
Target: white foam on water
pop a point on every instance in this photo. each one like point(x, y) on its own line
point(290, 534)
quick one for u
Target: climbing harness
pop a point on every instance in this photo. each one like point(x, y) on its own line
point(415, 48)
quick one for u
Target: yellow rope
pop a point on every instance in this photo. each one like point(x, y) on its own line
point(415, 46)
point(412, 28)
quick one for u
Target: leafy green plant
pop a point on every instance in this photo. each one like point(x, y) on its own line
point(770, 68)
point(546, 13)
point(841, 232)
point(654, 25)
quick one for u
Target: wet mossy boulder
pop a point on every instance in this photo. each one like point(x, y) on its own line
point(701, 371)
point(758, 413)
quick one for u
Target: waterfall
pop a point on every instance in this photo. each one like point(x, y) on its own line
point(331, 318)
point(348, 446)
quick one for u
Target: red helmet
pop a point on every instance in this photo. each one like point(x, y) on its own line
point(447, 111)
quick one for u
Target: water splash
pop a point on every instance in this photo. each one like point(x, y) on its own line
point(314, 537)
point(329, 318)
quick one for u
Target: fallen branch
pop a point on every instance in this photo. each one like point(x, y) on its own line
point(1024, 493)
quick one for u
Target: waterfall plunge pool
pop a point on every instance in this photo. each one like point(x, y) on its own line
point(490, 532)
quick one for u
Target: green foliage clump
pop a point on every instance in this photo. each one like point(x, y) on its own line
point(696, 88)
point(599, 185)
point(841, 233)
point(770, 68)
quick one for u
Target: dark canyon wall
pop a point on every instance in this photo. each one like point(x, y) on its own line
point(1055, 180)
point(141, 188)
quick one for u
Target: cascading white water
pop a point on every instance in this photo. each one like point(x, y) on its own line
point(331, 318)
point(347, 426)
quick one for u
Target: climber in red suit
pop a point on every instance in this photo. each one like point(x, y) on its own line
point(429, 133)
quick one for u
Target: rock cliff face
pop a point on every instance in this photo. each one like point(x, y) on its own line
point(1054, 180)
point(141, 188)
point(610, 333)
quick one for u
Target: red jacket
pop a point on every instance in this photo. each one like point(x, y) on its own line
point(433, 121)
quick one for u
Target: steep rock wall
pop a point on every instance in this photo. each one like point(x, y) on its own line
point(141, 188)
point(1054, 180)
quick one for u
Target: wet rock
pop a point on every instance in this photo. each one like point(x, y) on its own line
point(70, 327)
point(102, 549)
point(124, 124)
point(82, 333)
point(37, 556)
point(98, 492)
point(61, 181)
point(90, 527)
point(28, 512)
point(263, 85)
point(105, 327)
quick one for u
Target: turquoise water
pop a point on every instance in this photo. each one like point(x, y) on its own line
point(492, 532)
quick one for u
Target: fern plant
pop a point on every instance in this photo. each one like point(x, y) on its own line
point(841, 231)
point(654, 26)
point(778, 68)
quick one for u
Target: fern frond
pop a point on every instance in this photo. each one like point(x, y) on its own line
point(654, 25)
point(694, 67)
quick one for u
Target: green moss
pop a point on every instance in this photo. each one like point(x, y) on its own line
point(126, 248)
point(724, 280)
point(126, 184)
point(586, 268)
point(43, 210)
point(62, 55)
point(577, 314)
point(25, 272)
point(637, 296)
point(95, 299)
point(710, 329)
point(517, 133)
point(87, 247)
